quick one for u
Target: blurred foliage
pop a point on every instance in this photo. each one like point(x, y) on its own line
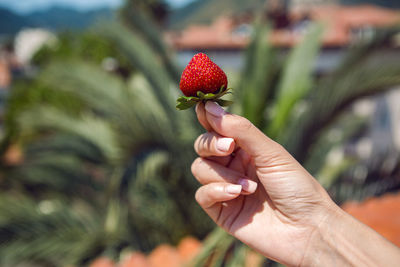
point(96, 160)
point(88, 46)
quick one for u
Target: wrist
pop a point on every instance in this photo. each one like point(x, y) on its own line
point(341, 240)
point(318, 246)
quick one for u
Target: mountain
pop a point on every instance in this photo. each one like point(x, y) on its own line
point(384, 3)
point(11, 22)
point(58, 18)
point(55, 18)
point(204, 11)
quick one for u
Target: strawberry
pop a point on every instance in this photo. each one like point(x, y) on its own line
point(201, 74)
point(202, 80)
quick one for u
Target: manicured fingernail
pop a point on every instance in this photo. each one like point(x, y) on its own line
point(224, 144)
point(214, 109)
point(233, 188)
point(248, 185)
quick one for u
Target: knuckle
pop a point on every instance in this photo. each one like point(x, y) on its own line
point(244, 124)
point(196, 144)
point(203, 143)
point(237, 122)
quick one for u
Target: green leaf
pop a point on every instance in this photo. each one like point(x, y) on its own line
point(297, 79)
point(209, 96)
point(187, 98)
point(185, 105)
point(257, 78)
point(200, 94)
point(372, 72)
point(185, 102)
point(224, 103)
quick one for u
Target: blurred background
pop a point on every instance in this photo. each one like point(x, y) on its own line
point(95, 159)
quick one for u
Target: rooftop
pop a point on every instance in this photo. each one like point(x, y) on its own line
point(343, 26)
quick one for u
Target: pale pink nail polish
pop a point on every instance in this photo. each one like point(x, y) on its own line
point(214, 109)
point(233, 188)
point(224, 144)
point(248, 185)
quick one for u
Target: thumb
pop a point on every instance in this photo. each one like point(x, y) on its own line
point(264, 151)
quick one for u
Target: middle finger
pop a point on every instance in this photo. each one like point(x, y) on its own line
point(212, 144)
point(207, 171)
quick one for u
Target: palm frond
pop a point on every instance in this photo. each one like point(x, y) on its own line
point(332, 95)
point(256, 80)
point(66, 144)
point(141, 56)
point(373, 177)
point(296, 80)
point(101, 91)
point(47, 232)
point(347, 127)
point(142, 24)
point(96, 130)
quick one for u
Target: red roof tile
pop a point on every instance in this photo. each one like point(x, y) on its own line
point(188, 248)
point(164, 256)
point(135, 259)
point(102, 262)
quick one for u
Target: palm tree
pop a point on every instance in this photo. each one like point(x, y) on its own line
point(105, 165)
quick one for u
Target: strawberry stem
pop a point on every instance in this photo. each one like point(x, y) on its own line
point(185, 102)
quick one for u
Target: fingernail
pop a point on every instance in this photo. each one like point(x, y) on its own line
point(197, 107)
point(233, 188)
point(248, 185)
point(214, 109)
point(224, 144)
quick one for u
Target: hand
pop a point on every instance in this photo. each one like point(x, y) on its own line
point(254, 189)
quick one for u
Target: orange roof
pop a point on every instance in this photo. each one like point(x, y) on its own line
point(135, 259)
point(339, 21)
point(102, 262)
point(218, 34)
point(381, 214)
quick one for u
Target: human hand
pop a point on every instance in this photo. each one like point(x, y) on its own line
point(254, 189)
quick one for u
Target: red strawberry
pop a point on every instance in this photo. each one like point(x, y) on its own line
point(201, 74)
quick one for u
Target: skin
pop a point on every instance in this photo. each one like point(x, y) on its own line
point(256, 191)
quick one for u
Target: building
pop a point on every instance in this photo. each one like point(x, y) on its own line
point(344, 25)
point(29, 41)
point(304, 5)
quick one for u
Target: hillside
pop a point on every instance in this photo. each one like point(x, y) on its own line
point(204, 11)
point(10, 22)
point(56, 18)
point(384, 3)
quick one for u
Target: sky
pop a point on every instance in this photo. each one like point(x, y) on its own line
point(26, 6)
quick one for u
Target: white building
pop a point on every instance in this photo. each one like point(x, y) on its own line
point(29, 41)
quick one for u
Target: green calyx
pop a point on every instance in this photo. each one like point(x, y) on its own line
point(185, 102)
